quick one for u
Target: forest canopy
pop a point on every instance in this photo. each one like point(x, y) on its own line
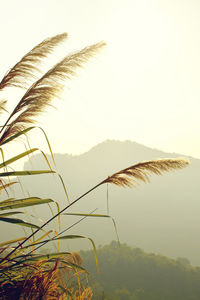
point(131, 274)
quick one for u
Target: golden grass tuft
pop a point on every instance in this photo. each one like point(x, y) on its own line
point(47, 280)
point(42, 284)
point(25, 70)
point(142, 171)
point(44, 90)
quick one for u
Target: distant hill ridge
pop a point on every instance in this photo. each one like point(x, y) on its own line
point(129, 273)
point(161, 217)
point(127, 145)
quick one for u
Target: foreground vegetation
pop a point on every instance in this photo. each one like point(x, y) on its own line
point(24, 273)
point(131, 274)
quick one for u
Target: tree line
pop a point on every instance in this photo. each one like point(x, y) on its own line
point(131, 274)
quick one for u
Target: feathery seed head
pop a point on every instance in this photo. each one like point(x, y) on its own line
point(143, 170)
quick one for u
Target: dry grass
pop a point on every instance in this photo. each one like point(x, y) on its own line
point(25, 70)
point(47, 280)
point(44, 90)
point(141, 171)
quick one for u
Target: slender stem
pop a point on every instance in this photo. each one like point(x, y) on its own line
point(55, 237)
point(51, 219)
point(11, 115)
point(6, 123)
point(107, 200)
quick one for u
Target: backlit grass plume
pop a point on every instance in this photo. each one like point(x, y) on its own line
point(141, 171)
point(26, 69)
point(41, 93)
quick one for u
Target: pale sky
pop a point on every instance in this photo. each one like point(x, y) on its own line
point(144, 86)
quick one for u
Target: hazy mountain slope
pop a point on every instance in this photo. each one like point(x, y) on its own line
point(161, 217)
point(129, 273)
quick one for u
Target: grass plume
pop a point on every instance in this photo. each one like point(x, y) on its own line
point(26, 69)
point(140, 172)
point(44, 90)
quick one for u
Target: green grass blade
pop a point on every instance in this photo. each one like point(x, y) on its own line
point(15, 158)
point(95, 254)
point(18, 222)
point(2, 154)
point(4, 109)
point(33, 243)
point(97, 216)
point(9, 199)
point(28, 143)
point(58, 209)
point(25, 202)
point(48, 143)
point(82, 237)
point(50, 209)
point(3, 159)
point(57, 240)
point(63, 184)
point(4, 186)
point(87, 215)
point(24, 173)
point(12, 241)
point(45, 157)
point(44, 257)
point(115, 226)
point(10, 213)
point(17, 135)
point(42, 237)
point(24, 132)
point(26, 153)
